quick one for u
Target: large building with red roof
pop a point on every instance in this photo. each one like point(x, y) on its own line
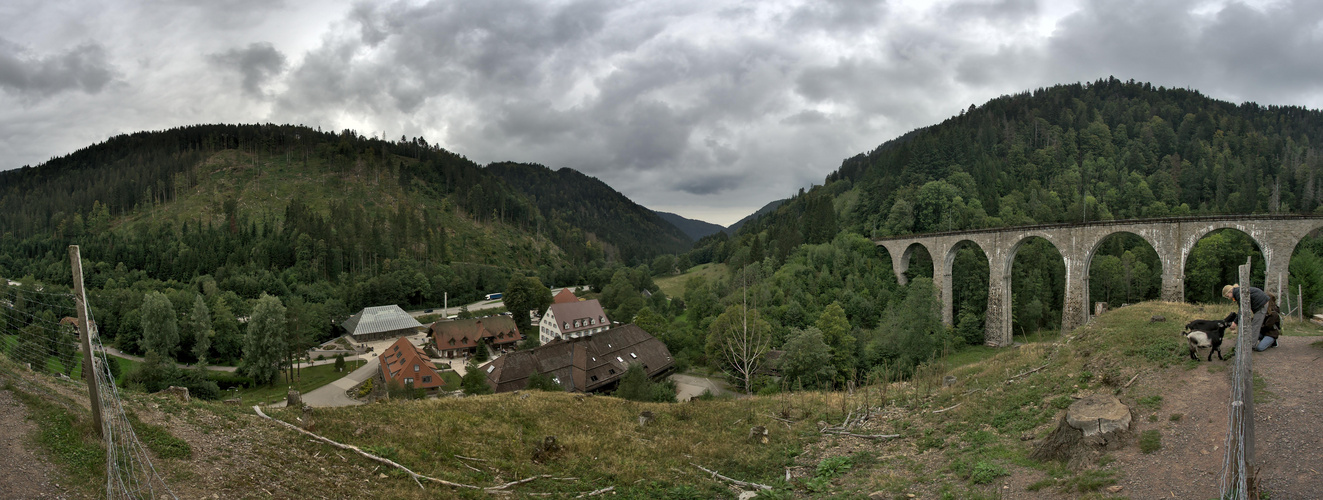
point(588, 364)
point(572, 320)
point(457, 337)
point(407, 365)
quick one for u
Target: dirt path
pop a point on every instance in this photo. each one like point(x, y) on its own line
point(26, 475)
point(1192, 420)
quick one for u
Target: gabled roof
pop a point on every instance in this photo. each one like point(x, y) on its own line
point(565, 296)
point(466, 332)
point(567, 313)
point(398, 361)
point(380, 319)
point(583, 364)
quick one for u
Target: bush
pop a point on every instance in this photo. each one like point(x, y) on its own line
point(339, 362)
point(635, 385)
point(229, 380)
point(474, 381)
point(540, 382)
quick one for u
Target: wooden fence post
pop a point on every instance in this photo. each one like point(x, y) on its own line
point(85, 336)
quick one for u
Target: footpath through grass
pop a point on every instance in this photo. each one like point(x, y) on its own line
point(309, 379)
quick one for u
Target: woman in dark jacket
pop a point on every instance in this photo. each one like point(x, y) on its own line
point(1263, 305)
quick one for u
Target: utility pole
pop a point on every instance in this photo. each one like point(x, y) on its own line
point(85, 335)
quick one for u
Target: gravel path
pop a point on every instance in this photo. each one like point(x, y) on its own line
point(26, 475)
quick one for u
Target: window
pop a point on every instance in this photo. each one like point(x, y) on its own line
point(565, 326)
point(490, 368)
point(631, 355)
point(619, 359)
point(601, 319)
point(427, 379)
point(408, 381)
point(612, 371)
point(415, 368)
point(593, 378)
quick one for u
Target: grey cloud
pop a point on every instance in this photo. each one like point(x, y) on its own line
point(1000, 11)
point(837, 15)
point(84, 68)
point(649, 135)
point(257, 63)
point(710, 183)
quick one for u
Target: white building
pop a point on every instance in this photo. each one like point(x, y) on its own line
point(571, 320)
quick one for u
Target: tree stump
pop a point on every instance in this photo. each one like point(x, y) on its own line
point(1090, 425)
point(758, 434)
point(292, 399)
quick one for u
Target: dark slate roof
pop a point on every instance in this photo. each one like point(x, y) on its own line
point(466, 332)
point(582, 364)
point(380, 319)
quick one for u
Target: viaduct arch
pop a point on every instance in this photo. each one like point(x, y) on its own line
point(1172, 239)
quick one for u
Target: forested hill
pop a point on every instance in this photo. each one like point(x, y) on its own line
point(581, 206)
point(695, 229)
point(1093, 151)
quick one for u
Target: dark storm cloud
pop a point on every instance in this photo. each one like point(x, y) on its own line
point(710, 183)
point(84, 68)
point(257, 64)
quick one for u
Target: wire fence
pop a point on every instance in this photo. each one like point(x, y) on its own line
point(1237, 479)
point(38, 330)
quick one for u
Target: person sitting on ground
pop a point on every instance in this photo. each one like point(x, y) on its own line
point(1264, 305)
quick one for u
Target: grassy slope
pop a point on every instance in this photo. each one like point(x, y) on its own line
point(673, 286)
point(958, 453)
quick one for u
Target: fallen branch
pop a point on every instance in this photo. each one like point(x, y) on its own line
point(947, 409)
point(596, 492)
point(865, 436)
point(735, 482)
point(1035, 370)
point(467, 458)
point(1132, 380)
point(356, 449)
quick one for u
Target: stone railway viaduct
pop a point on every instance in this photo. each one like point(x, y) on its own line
point(1172, 239)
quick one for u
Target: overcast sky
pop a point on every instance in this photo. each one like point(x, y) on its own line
point(706, 108)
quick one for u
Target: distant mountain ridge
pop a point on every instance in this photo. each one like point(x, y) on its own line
point(768, 208)
point(694, 228)
point(571, 199)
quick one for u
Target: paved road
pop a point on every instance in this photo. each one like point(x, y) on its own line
point(690, 386)
point(333, 394)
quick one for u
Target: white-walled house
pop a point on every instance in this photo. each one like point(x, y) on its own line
point(572, 320)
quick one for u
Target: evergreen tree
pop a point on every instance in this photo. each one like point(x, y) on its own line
point(474, 381)
point(160, 328)
point(228, 342)
point(199, 323)
point(265, 347)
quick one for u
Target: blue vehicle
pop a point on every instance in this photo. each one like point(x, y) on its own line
point(493, 296)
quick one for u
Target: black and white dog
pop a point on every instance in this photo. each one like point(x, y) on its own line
point(1204, 333)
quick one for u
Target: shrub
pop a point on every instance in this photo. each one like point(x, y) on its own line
point(635, 385)
point(339, 362)
point(540, 382)
point(987, 472)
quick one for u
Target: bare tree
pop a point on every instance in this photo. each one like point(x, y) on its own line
point(739, 339)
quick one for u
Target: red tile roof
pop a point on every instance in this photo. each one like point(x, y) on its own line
point(464, 333)
point(404, 360)
point(564, 296)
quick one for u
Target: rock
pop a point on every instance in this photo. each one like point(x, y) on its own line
point(1157, 318)
point(747, 495)
point(234, 401)
point(292, 399)
point(1114, 488)
point(176, 391)
point(1099, 414)
point(646, 418)
point(948, 381)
